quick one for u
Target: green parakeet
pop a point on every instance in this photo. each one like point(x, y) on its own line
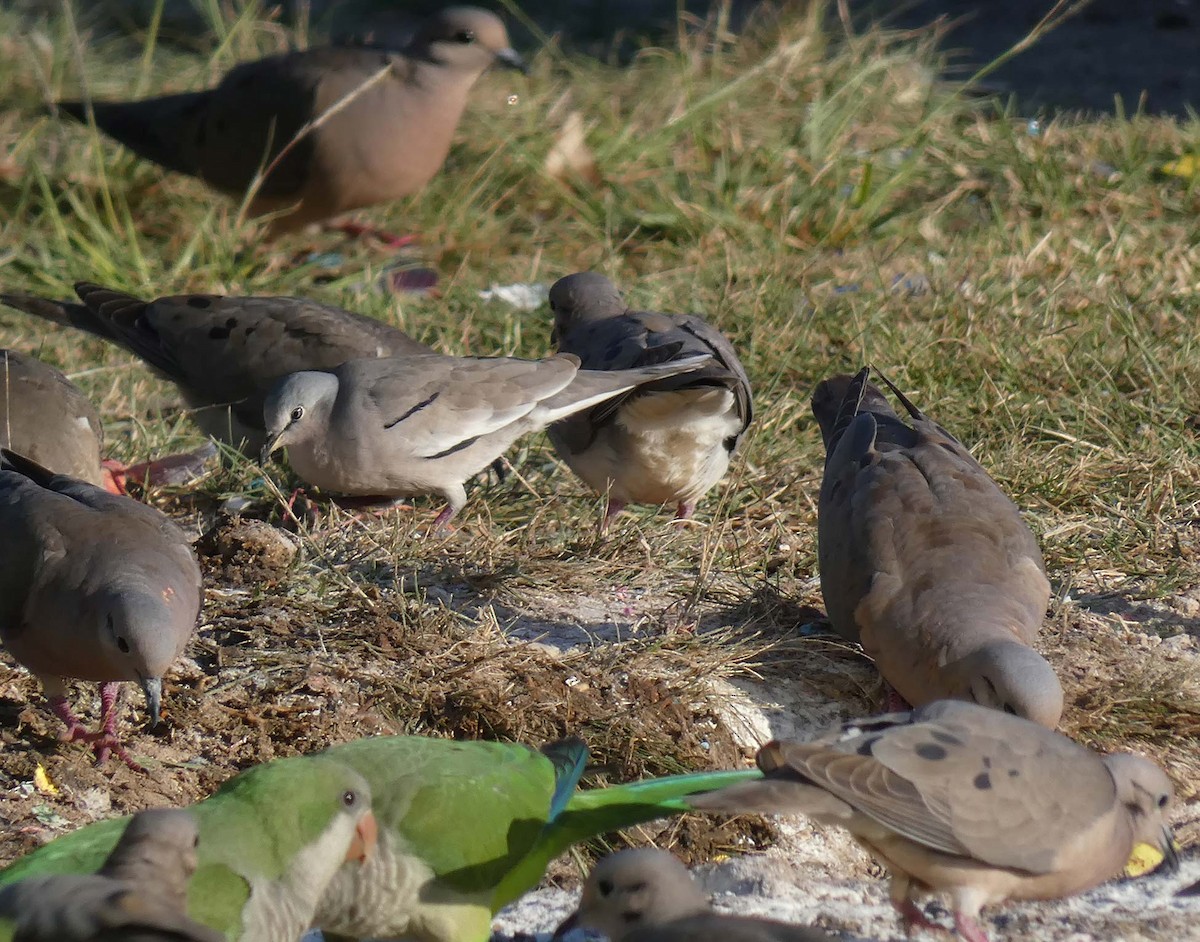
point(467, 827)
point(463, 829)
point(270, 840)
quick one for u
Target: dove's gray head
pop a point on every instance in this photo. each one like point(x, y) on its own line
point(1148, 796)
point(142, 630)
point(584, 296)
point(297, 409)
point(634, 888)
point(468, 40)
point(159, 847)
point(1012, 677)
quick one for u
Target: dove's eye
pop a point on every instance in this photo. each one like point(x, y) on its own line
point(297, 413)
point(464, 36)
point(605, 887)
point(349, 798)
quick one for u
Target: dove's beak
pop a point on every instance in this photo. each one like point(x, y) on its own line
point(1170, 852)
point(152, 687)
point(269, 448)
point(511, 59)
point(566, 926)
point(366, 835)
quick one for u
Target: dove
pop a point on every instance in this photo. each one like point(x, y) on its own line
point(647, 895)
point(45, 417)
point(666, 442)
point(333, 128)
point(438, 874)
point(400, 426)
point(139, 895)
point(270, 840)
point(224, 353)
point(967, 801)
point(925, 561)
point(93, 586)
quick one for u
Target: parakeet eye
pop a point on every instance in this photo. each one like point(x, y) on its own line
point(464, 36)
point(349, 798)
point(297, 413)
point(1162, 801)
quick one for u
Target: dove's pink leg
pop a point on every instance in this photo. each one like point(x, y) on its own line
point(613, 508)
point(892, 701)
point(968, 928)
point(356, 230)
point(75, 729)
point(441, 522)
point(105, 742)
point(914, 917)
point(685, 510)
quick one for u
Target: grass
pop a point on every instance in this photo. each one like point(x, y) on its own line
point(826, 200)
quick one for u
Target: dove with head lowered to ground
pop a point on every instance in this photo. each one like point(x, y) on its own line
point(425, 424)
point(93, 586)
point(969, 802)
point(666, 442)
point(925, 561)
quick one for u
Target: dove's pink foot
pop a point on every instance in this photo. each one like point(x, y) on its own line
point(685, 509)
point(892, 701)
point(914, 917)
point(104, 743)
point(171, 470)
point(969, 929)
point(357, 230)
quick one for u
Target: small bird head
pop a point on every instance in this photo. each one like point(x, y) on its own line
point(1148, 796)
point(634, 888)
point(582, 297)
point(142, 631)
point(1013, 678)
point(157, 847)
point(468, 39)
point(294, 408)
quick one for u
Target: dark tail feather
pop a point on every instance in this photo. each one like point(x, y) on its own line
point(165, 130)
point(913, 412)
point(66, 313)
point(848, 408)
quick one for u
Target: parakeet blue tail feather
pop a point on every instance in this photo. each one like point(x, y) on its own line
point(570, 758)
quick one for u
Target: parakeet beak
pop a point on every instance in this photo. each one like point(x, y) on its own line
point(366, 835)
point(269, 448)
point(152, 687)
point(511, 59)
point(566, 926)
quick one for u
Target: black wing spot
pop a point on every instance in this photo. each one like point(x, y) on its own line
point(231, 323)
point(948, 739)
point(219, 333)
point(199, 302)
point(413, 411)
point(983, 781)
point(466, 443)
point(931, 752)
